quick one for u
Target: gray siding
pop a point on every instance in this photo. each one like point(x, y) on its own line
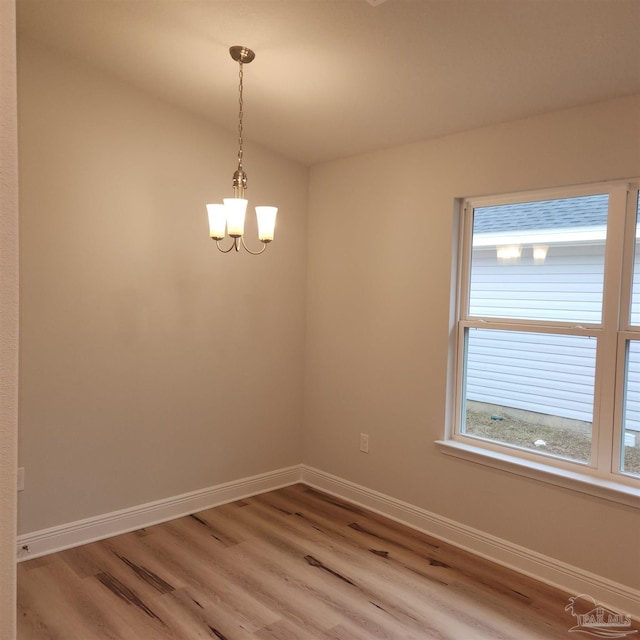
point(566, 287)
point(632, 403)
point(544, 373)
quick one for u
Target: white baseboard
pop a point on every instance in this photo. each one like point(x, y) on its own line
point(540, 567)
point(549, 570)
point(80, 532)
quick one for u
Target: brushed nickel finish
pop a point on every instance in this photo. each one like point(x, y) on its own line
point(242, 54)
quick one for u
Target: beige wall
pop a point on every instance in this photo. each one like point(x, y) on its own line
point(380, 252)
point(151, 364)
point(8, 318)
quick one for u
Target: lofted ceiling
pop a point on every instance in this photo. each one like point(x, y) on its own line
point(334, 78)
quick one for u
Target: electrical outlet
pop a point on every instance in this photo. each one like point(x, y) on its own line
point(364, 442)
point(21, 479)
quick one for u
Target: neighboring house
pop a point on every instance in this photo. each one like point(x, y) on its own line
point(543, 260)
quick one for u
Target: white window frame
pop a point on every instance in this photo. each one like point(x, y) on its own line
point(601, 476)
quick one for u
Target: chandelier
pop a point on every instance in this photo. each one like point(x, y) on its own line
point(228, 218)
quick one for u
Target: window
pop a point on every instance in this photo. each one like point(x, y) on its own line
point(547, 338)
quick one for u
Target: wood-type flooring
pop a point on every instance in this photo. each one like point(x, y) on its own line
point(291, 564)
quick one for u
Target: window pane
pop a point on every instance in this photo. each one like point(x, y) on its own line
point(635, 294)
point(539, 260)
point(531, 390)
point(631, 411)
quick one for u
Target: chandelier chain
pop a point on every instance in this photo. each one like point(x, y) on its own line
point(240, 116)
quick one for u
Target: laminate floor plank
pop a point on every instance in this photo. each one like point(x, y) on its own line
point(390, 586)
point(291, 564)
point(196, 617)
point(494, 586)
point(276, 584)
point(341, 575)
point(215, 582)
point(61, 607)
point(405, 597)
point(315, 594)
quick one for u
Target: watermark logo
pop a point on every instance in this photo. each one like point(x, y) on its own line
point(598, 620)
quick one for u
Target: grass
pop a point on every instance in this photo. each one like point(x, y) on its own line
point(560, 441)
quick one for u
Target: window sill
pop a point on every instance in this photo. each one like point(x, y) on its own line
point(582, 482)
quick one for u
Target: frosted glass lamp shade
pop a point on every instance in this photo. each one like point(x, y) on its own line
point(235, 210)
point(266, 222)
point(217, 220)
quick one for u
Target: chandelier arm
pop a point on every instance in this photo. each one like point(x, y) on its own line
point(234, 245)
point(254, 253)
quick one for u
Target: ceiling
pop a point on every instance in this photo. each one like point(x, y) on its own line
point(334, 78)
